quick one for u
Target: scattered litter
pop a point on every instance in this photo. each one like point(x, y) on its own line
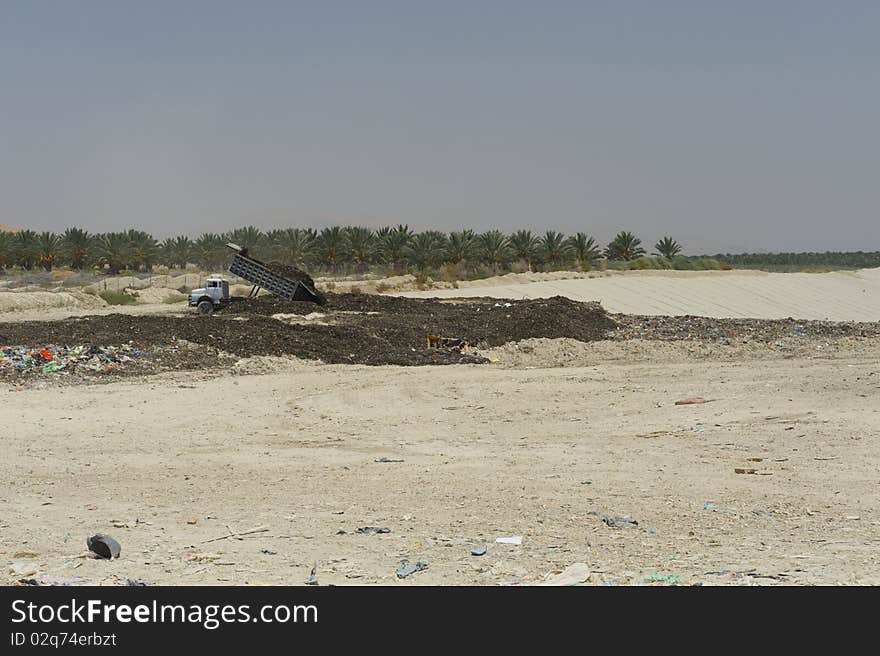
point(575, 574)
point(669, 579)
point(373, 529)
point(22, 569)
point(383, 459)
point(135, 583)
point(313, 579)
point(586, 482)
point(456, 343)
point(697, 429)
point(239, 535)
point(514, 539)
point(52, 581)
point(710, 506)
point(478, 551)
point(104, 546)
point(619, 522)
point(692, 400)
point(743, 470)
point(406, 568)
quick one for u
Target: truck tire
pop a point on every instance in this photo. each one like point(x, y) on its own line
point(205, 307)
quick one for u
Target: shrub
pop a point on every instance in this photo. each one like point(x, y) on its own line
point(708, 264)
point(681, 263)
point(117, 298)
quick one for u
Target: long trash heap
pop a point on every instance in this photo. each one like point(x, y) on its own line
point(52, 358)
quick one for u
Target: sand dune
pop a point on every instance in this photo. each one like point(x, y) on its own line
point(835, 296)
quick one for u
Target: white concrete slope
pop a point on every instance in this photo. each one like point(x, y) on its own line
point(834, 296)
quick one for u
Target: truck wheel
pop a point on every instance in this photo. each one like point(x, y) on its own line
point(205, 307)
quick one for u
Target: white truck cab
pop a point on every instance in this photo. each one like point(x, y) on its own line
point(213, 295)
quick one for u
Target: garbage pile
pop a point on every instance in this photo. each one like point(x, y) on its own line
point(692, 328)
point(53, 358)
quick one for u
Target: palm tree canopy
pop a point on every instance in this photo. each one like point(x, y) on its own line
point(585, 248)
point(624, 246)
point(667, 247)
point(555, 248)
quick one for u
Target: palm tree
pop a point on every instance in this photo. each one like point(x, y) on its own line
point(624, 246)
point(554, 247)
point(361, 246)
point(585, 249)
point(333, 246)
point(209, 250)
point(667, 247)
point(49, 249)
point(426, 250)
point(460, 246)
point(114, 251)
point(77, 246)
point(274, 243)
point(177, 251)
point(7, 255)
point(248, 237)
point(294, 245)
point(26, 245)
point(144, 249)
point(393, 243)
point(525, 246)
point(494, 249)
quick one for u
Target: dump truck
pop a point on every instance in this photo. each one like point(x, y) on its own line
point(215, 293)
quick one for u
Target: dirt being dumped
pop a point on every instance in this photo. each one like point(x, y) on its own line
point(291, 273)
point(359, 328)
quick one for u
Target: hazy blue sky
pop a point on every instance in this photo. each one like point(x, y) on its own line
point(732, 125)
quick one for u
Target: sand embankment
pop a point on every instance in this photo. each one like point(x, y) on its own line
point(834, 296)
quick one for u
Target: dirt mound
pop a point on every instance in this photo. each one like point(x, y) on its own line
point(21, 301)
point(362, 329)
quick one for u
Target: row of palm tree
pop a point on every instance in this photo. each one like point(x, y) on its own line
point(334, 249)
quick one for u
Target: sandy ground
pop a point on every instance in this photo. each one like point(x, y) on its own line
point(55, 313)
point(835, 296)
point(169, 465)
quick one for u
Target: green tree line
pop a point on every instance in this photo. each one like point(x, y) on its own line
point(337, 249)
point(829, 259)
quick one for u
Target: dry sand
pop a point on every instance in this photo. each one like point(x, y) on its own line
point(15, 303)
point(169, 464)
point(835, 296)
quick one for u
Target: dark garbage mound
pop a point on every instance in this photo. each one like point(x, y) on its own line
point(734, 330)
point(267, 305)
point(356, 329)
